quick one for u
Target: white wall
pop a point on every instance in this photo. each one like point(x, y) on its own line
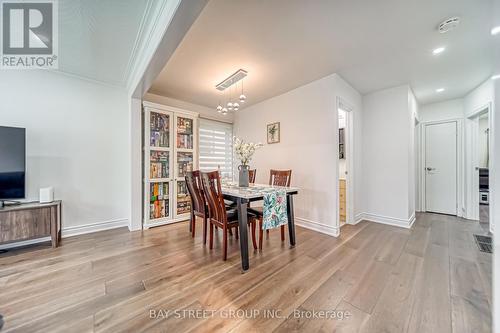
point(204, 111)
point(77, 141)
point(452, 109)
point(387, 178)
point(309, 145)
point(479, 97)
point(413, 114)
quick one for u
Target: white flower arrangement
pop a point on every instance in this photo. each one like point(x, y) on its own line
point(244, 150)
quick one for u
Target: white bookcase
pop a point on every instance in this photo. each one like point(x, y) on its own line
point(170, 149)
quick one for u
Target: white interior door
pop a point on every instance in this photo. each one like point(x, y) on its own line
point(441, 168)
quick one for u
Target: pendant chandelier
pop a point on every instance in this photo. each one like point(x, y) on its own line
point(230, 88)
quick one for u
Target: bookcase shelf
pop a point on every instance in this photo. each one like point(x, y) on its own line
point(170, 150)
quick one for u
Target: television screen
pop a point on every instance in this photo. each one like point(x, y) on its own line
point(12, 162)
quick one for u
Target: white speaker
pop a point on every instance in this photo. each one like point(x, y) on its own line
point(46, 195)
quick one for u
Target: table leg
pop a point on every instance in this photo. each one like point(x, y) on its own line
point(243, 222)
point(291, 219)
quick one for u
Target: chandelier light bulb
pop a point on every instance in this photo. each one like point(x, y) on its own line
point(219, 108)
point(224, 110)
point(236, 105)
point(236, 109)
point(242, 98)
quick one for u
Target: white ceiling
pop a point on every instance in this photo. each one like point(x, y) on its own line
point(372, 44)
point(97, 38)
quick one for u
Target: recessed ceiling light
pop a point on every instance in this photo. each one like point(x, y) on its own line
point(495, 77)
point(438, 50)
point(439, 90)
point(495, 30)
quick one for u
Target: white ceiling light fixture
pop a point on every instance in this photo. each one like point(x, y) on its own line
point(496, 30)
point(495, 77)
point(449, 24)
point(439, 90)
point(438, 50)
point(230, 83)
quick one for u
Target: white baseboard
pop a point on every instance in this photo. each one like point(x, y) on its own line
point(94, 227)
point(316, 226)
point(394, 221)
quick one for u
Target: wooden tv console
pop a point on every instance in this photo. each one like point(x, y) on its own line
point(28, 221)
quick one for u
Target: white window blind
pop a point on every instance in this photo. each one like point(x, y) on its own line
point(216, 147)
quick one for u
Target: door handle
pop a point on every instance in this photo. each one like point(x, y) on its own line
point(430, 169)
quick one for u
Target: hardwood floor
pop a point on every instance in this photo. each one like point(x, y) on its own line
point(431, 278)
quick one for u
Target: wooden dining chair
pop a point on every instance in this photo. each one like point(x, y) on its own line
point(276, 178)
point(218, 215)
point(251, 175)
point(198, 204)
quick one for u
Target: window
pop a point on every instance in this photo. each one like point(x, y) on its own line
point(216, 147)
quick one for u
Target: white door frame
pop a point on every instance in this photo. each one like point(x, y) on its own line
point(349, 145)
point(460, 162)
point(472, 180)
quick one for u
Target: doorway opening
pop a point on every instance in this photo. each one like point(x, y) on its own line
point(345, 211)
point(478, 162)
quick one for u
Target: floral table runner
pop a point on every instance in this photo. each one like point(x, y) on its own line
point(274, 209)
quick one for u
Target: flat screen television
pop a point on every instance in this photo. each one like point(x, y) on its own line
point(12, 163)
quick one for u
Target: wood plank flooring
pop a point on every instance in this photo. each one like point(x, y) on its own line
point(431, 278)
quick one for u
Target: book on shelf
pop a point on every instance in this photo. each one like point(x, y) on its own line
point(159, 191)
point(158, 209)
point(159, 130)
point(184, 125)
point(184, 163)
point(159, 164)
point(183, 207)
point(184, 141)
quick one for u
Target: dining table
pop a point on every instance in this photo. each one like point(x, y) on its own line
point(242, 196)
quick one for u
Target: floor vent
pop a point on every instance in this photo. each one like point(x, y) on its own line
point(484, 243)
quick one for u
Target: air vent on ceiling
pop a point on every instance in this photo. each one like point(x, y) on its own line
point(449, 24)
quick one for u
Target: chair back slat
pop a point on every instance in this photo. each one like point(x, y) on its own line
point(251, 175)
point(213, 194)
point(280, 177)
point(195, 189)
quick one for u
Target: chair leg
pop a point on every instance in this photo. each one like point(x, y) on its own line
point(261, 235)
point(236, 233)
point(282, 233)
point(193, 225)
point(204, 230)
point(224, 243)
point(267, 234)
point(254, 241)
point(230, 232)
point(211, 242)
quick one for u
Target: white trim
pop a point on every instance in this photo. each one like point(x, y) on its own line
point(25, 243)
point(393, 221)
point(317, 226)
point(94, 227)
point(169, 108)
point(165, 221)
